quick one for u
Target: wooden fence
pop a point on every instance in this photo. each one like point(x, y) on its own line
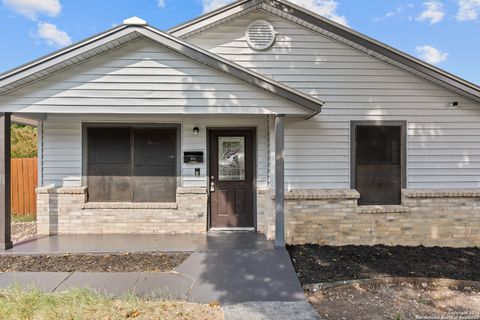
point(24, 182)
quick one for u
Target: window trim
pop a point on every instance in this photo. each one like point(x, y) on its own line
point(86, 125)
point(353, 146)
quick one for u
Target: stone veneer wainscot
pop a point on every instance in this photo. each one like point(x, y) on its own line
point(430, 217)
point(443, 217)
point(65, 210)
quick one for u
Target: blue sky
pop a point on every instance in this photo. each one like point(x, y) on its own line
point(443, 32)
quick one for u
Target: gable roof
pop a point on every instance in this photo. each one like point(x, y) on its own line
point(331, 29)
point(119, 36)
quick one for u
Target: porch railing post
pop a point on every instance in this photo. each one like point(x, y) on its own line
point(279, 181)
point(5, 212)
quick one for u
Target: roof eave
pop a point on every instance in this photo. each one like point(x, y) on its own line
point(181, 47)
point(428, 71)
point(213, 13)
point(61, 52)
point(469, 89)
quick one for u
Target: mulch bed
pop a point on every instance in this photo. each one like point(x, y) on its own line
point(315, 263)
point(127, 262)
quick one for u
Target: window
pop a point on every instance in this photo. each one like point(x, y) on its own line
point(231, 158)
point(377, 161)
point(131, 164)
point(378, 144)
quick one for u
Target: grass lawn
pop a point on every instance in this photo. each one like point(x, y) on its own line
point(19, 304)
point(22, 218)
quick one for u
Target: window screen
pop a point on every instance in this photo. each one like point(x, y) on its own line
point(378, 144)
point(109, 164)
point(378, 168)
point(154, 165)
point(131, 164)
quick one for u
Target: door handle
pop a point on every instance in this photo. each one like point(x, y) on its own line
point(212, 186)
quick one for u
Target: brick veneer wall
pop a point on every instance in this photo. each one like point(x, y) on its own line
point(263, 211)
point(64, 210)
point(426, 217)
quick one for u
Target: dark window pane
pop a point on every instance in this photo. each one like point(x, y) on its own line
point(378, 144)
point(378, 164)
point(378, 184)
point(109, 164)
point(113, 177)
point(154, 169)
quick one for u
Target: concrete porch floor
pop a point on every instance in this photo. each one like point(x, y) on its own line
point(113, 243)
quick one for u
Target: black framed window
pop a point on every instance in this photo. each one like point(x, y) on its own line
point(131, 164)
point(378, 161)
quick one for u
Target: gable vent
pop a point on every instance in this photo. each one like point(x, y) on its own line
point(260, 35)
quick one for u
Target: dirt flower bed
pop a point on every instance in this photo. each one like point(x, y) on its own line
point(396, 302)
point(314, 263)
point(127, 262)
point(23, 231)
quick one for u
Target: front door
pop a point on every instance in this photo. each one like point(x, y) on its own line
point(231, 171)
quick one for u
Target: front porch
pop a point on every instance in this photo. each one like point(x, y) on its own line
point(225, 267)
point(65, 197)
point(120, 243)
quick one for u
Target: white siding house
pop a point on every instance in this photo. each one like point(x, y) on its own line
point(370, 142)
point(443, 147)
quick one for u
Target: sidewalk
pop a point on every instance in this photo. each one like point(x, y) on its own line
point(244, 273)
point(229, 277)
point(168, 285)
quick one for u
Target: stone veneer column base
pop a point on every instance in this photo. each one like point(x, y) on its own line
point(64, 210)
point(426, 217)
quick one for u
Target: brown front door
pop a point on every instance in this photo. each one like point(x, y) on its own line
point(231, 171)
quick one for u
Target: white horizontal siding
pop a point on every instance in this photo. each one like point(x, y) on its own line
point(62, 144)
point(443, 141)
point(144, 77)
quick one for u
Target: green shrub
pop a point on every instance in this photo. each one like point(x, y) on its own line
point(24, 141)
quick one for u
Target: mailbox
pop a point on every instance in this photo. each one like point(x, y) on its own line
point(193, 157)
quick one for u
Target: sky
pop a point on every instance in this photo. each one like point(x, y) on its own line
point(445, 33)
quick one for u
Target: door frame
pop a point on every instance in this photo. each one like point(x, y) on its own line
point(353, 147)
point(253, 130)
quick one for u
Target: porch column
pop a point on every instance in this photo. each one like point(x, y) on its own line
point(279, 182)
point(5, 214)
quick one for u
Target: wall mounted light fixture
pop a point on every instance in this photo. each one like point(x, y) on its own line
point(196, 131)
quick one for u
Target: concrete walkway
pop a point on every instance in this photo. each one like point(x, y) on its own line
point(244, 272)
point(160, 285)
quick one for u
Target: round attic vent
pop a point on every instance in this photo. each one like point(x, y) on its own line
point(260, 35)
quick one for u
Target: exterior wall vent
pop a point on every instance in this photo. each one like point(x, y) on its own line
point(260, 35)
